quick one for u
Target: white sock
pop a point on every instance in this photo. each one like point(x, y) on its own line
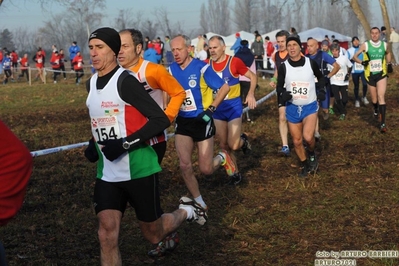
point(189, 210)
point(200, 201)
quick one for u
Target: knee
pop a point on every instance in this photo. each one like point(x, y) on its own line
point(108, 236)
point(186, 167)
point(206, 169)
point(297, 142)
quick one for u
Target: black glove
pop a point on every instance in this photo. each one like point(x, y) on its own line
point(91, 152)
point(321, 96)
point(205, 116)
point(346, 77)
point(365, 62)
point(390, 68)
point(286, 96)
point(112, 148)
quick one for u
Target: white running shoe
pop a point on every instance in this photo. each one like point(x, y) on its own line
point(365, 101)
point(357, 103)
point(200, 215)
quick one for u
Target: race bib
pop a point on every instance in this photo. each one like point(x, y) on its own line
point(339, 76)
point(79, 64)
point(358, 66)
point(375, 65)
point(39, 60)
point(189, 102)
point(105, 127)
point(300, 90)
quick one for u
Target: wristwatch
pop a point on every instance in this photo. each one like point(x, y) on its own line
point(126, 144)
point(212, 108)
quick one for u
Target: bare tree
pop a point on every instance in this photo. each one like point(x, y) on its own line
point(204, 19)
point(128, 19)
point(249, 15)
point(218, 16)
point(24, 39)
point(165, 27)
point(149, 28)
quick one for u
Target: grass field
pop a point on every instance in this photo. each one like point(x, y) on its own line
point(273, 218)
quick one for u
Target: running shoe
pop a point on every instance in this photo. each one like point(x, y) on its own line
point(313, 164)
point(227, 162)
point(235, 179)
point(285, 150)
point(365, 101)
point(357, 103)
point(317, 136)
point(331, 111)
point(199, 211)
point(375, 114)
point(383, 128)
point(326, 115)
point(165, 246)
point(342, 117)
point(304, 170)
point(246, 147)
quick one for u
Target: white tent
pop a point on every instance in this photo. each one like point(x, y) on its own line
point(319, 33)
point(208, 36)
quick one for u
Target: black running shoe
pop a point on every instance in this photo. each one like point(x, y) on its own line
point(246, 148)
point(235, 179)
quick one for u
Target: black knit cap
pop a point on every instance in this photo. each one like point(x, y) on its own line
point(109, 36)
point(293, 38)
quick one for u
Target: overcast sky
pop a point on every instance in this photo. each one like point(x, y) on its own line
point(23, 13)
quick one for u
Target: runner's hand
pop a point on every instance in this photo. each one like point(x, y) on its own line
point(286, 96)
point(91, 152)
point(205, 116)
point(365, 62)
point(112, 148)
point(390, 68)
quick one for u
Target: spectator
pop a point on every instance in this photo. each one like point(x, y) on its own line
point(237, 44)
point(269, 50)
point(62, 62)
point(161, 44)
point(168, 52)
point(73, 51)
point(78, 67)
point(151, 55)
point(39, 59)
point(258, 51)
point(394, 39)
point(383, 36)
point(7, 63)
point(1, 62)
point(24, 67)
point(55, 65)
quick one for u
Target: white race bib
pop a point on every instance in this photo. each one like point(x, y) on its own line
point(339, 76)
point(105, 127)
point(375, 65)
point(189, 102)
point(359, 66)
point(300, 90)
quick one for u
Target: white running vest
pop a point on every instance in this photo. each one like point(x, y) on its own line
point(108, 113)
point(300, 82)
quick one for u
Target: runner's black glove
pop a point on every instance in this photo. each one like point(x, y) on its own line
point(321, 96)
point(205, 116)
point(112, 148)
point(390, 68)
point(365, 62)
point(346, 77)
point(91, 152)
point(286, 96)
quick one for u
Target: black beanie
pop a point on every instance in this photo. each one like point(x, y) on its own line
point(109, 36)
point(293, 38)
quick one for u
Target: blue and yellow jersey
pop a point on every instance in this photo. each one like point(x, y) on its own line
point(226, 71)
point(199, 81)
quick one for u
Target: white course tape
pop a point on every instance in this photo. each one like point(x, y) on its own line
point(82, 144)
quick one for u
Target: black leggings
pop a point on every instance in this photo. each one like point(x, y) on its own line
point(340, 97)
point(356, 83)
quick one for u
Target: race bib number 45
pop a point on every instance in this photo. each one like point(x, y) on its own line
point(189, 102)
point(104, 128)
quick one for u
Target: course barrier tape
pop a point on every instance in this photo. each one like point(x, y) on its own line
point(82, 144)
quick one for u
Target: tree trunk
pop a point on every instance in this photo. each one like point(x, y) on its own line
point(354, 4)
